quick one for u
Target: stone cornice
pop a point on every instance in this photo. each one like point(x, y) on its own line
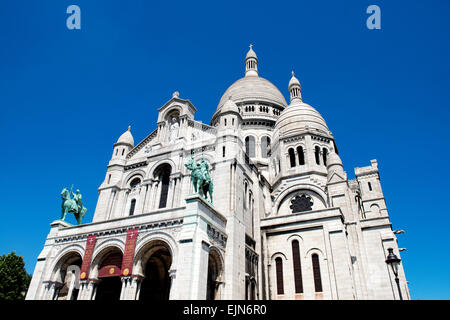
point(121, 230)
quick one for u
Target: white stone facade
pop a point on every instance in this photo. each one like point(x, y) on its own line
point(285, 222)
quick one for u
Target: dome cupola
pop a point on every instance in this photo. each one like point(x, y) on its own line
point(295, 89)
point(251, 63)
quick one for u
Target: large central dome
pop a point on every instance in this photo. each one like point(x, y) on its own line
point(253, 88)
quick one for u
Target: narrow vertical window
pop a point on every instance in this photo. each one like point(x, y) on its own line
point(132, 205)
point(250, 146)
point(317, 154)
point(297, 267)
point(370, 186)
point(301, 156)
point(223, 151)
point(324, 156)
point(316, 273)
point(164, 177)
point(117, 150)
point(123, 151)
point(109, 178)
point(279, 271)
point(292, 157)
point(245, 195)
point(225, 122)
point(265, 143)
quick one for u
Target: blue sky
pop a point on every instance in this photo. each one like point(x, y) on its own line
point(67, 95)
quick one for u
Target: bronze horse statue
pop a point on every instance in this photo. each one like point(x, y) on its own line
point(200, 177)
point(74, 205)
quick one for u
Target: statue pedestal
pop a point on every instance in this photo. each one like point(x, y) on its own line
point(201, 225)
point(60, 224)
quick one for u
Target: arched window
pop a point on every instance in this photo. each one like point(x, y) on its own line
point(132, 205)
point(324, 156)
point(163, 173)
point(279, 271)
point(135, 182)
point(316, 273)
point(291, 157)
point(265, 143)
point(301, 155)
point(297, 267)
point(317, 154)
point(250, 146)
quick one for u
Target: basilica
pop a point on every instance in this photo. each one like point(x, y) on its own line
point(281, 220)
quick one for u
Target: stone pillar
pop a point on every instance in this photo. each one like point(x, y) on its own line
point(193, 253)
point(49, 290)
point(157, 195)
point(127, 289)
point(142, 197)
point(172, 275)
point(46, 289)
point(137, 281)
point(91, 290)
point(83, 289)
point(134, 286)
point(170, 193)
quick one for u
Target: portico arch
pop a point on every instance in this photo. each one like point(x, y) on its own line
point(214, 278)
point(153, 264)
point(106, 273)
point(65, 276)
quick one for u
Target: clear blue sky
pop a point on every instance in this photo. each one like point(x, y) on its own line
point(66, 96)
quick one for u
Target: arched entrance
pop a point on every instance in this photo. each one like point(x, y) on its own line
point(214, 276)
point(68, 273)
point(110, 285)
point(156, 263)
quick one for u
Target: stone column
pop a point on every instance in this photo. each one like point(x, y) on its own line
point(133, 288)
point(49, 290)
point(126, 286)
point(91, 290)
point(170, 195)
point(46, 289)
point(137, 281)
point(157, 195)
point(172, 275)
point(142, 197)
point(83, 289)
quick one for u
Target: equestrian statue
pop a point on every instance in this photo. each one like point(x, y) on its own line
point(74, 205)
point(200, 178)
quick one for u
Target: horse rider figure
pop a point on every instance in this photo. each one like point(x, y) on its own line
point(77, 199)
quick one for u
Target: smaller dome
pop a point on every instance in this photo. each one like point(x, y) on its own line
point(230, 106)
point(300, 117)
point(126, 137)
